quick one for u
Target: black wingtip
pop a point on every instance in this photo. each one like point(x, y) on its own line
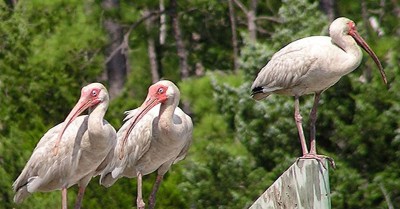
point(256, 90)
point(257, 93)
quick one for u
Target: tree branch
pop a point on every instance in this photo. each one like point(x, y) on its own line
point(123, 47)
point(241, 6)
point(387, 196)
point(234, 36)
point(273, 19)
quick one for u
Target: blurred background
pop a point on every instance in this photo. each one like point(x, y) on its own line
point(213, 50)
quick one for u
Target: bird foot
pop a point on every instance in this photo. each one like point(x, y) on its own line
point(319, 158)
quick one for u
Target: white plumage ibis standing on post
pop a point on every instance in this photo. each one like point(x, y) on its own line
point(71, 152)
point(312, 65)
point(154, 136)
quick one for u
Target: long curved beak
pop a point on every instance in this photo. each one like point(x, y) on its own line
point(149, 103)
point(82, 104)
point(365, 46)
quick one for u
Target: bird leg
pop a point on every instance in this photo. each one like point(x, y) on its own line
point(139, 200)
point(79, 198)
point(313, 120)
point(298, 120)
point(313, 147)
point(64, 198)
point(152, 199)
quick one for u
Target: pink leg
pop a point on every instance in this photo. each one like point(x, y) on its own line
point(139, 200)
point(313, 150)
point(298, 120)
point(152, 199)
point(64, 198)
point(78, 202)
point(313, 120)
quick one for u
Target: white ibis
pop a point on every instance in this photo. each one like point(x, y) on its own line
point(82, 144)
point(152, 139)
point(312, 65)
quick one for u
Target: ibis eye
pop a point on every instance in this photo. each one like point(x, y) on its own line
point(352, 24)
point(94, 93)
point(160, 90)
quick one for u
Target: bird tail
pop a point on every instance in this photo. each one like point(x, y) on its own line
point(258, 93)
point(107, 180)
point(20, 186)
point(21, 194)
point(112, 172)
point(24, 190)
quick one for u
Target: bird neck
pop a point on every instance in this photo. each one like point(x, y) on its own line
point(351, 46)
point(353, 52)
point(166, 116)
point(95, 120)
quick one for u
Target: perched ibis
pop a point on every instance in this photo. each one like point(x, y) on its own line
point(310, 66)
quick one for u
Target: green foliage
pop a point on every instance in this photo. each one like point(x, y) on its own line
point(209, 36)
point(222, 181)
point(300, 19)
point(219, 169)
point(53, 52)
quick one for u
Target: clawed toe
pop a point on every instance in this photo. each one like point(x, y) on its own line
point(319, 158)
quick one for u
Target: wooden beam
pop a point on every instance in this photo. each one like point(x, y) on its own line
point(304, 185)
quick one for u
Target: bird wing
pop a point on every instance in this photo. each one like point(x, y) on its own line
point(45, 171)
point(130, 113)
point(187, 121)
point(137, 144)
point(113, 141)
point(285, 70)
point(105, 162)
point(140, 137)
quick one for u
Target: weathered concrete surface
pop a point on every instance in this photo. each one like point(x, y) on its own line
point(305, 185)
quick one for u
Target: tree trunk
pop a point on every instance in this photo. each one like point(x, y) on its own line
point(328, 7)
point(11, 3)
point(116, 67)
point(151, 48)
point(396, 8)
point(367, 71)
point(251, 18)
point(180, 46)
point(163, 23)
point(234, 36)
point(181, 50)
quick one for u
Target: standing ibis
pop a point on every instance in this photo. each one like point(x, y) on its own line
point(310, 66)
point(154, 136)
point(71, 152)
